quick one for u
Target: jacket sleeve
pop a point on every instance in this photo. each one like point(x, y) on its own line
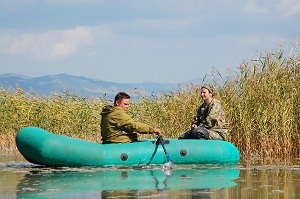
point(197, 117)
point(126, 123)
point(215, 117)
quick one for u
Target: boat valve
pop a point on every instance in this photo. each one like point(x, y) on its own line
point(124, 156)
point(183, 152)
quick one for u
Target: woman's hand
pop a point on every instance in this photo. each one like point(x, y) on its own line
point(193, 126)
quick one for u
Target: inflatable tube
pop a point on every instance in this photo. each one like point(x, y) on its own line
point(41, 147)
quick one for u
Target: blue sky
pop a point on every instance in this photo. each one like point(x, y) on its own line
point(169, 41)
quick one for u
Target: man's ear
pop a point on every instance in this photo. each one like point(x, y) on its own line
point(118, 102)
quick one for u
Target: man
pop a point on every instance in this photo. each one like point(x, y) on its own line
point(209, 122)
point(118, 127)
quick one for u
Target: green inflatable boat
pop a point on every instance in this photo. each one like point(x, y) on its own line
point(41, 147)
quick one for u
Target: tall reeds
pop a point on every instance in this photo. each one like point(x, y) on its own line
point(261, 103)
point(64, 114)
point(262, 106)
point(172, 112)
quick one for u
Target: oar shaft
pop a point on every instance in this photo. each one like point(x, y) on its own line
point(165, 150)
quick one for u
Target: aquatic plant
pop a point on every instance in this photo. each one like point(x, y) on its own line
point(261, 102)
point(262, 106)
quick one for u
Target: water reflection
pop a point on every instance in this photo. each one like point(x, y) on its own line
point(20, 179)
point(268, 181)
point(126, 182)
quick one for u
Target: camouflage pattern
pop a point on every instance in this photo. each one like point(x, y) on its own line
point(211, 117)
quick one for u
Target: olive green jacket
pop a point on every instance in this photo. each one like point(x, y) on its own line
point(118, 127)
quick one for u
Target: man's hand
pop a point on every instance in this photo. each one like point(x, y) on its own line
point(157, 131)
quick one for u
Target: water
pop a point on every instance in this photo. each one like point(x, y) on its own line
point(20, 179)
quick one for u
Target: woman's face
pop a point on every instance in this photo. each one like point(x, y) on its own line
point(205, 95)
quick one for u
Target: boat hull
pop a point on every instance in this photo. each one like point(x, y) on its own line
point(41, 147)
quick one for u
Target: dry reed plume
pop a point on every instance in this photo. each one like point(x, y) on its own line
point(261, 104)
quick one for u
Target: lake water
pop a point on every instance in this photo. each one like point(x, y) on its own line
point(20, 179)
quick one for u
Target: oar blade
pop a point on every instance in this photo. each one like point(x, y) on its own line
point(167, 167)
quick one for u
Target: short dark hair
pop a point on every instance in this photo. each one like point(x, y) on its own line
point(120, 96)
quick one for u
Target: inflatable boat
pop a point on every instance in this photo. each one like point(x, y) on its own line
point(41, 147)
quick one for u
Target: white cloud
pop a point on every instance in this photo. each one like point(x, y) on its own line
point(51, 45)
point(248, 40)
point(293, 11)
point(16, 4)
point(155, 25)
point(252, 7)
point(71, 2)
point(139, 37)
point(20, 5)
point(257, 39)
point(289, 7)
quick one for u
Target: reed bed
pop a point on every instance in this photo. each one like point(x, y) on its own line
point(64, 114)
point(261, 103)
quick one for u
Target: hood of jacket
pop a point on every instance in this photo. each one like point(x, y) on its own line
point(107, 110)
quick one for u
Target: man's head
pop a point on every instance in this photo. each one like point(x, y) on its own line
point(122, 100)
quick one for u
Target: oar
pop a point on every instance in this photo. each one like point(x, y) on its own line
point(168, 164)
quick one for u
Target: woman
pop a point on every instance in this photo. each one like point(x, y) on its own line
point(208, 122)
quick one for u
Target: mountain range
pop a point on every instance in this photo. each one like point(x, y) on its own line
point(81, 86)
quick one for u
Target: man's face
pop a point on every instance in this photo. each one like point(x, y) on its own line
point(124, 104)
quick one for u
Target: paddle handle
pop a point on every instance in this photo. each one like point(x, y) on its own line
point(165, 150)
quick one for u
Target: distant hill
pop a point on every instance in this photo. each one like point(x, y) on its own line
point(81, 86)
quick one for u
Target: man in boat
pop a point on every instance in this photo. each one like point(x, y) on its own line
point(119, 127)
point(209, 122)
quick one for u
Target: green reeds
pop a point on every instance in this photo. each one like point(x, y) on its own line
point(261, 103)
point(64, 114)
point(262, 107)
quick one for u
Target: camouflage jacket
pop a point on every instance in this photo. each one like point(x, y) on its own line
point(211, 117)
point(118, 127)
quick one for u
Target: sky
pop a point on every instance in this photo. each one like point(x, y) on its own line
point(133, 41)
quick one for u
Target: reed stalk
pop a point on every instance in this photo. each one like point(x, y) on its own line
point(261, 103)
